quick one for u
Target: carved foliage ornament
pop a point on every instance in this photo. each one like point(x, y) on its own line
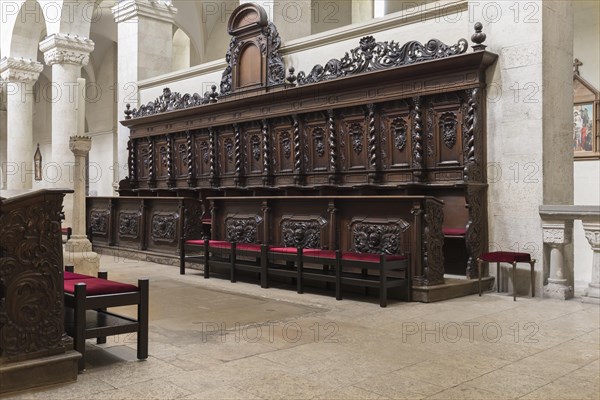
point(318, 136)
point(399, 128)
point(242, 230)
point(99, 221)
point(164, 227)
point(378, 238)
point(170, 101)
point(129, 224)
point(355, 132)
point(302, 233)
point(229, 148)
point(255, 141)
point(204, 152)
point(371, 56)
point(286, 144)
point(447, 123)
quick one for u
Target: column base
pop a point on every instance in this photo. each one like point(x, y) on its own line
point(78, 253)
point(592, 295)
point(559, 291)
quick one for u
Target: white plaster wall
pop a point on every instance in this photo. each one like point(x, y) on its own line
point(586, 173)
point(101, 164)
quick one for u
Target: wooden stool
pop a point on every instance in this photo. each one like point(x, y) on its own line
point(507, 257)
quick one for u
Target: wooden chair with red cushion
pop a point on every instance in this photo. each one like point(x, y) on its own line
point(507, 257)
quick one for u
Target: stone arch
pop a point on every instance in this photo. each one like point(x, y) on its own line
point(23, 29)
point(181, 50)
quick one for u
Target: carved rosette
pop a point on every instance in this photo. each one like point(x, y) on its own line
point(474, 238)
point(417, 139)
point(433, 242)
point(31, 307)
point(378, 238)
point(129, 224)
point(60, 48)
point(164, 227)
point(242, 230)
point(302, 233)
point(99, 221)
point(371, 56)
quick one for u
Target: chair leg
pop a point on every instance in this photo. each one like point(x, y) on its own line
point(142, 334)
point(532, 263)
point(263, 266)
point(79, 312)
point(479, 261)
point(232, 258)
point(182, 256)
point(206, 261)
point(382, 283)
point(514, 278)
point(498, 275)
point(299, 271)
point(338, 275)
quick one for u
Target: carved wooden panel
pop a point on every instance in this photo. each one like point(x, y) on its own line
point(31, 264)
point(242, 229)
point(396, 136)
point(164, 227)
point(353, 140)
point(99, 221)
point(181, 156)
point(144, 159)
point(202, 154)
point(129, 224)
point(226, 151)
point(283, 148)
point(302, 231)
point(253, 154)
point(163, 157)
point(377, 236)
point(316, 139)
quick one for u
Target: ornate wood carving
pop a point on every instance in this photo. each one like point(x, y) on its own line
point(318, 137)
point(213, 155)
point(302, 232)
point(163, 227)
point(333, 169)
point(265, 142)
point(472, 166)
point(371, 56)
point(433, 242)
point(242, 229)
point(131, 160)
point(417, 140)
point(31, 263)
point(372, 137)
point(129, 224)
point(447, 128)
point(170, 101)
point(192, 217)
point(375, 237)
point(399, 128)
point(99, 221)
point(475, 238)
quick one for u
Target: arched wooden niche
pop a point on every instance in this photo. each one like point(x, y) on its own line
point(253, 58)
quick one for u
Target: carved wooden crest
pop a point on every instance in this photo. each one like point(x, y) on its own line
point(253, 59)
point(242, 229)
point(377, 236)
point(302, 232)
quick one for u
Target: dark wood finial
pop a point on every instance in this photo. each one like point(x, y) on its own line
point(128, 111)
point(291, 78)
point(478, 37)
point(576, 65)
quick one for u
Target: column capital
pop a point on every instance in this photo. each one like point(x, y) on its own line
point(80, 145)
point(557, 232)
point(61, 48)
point(162, 10)
point(592, 233)
point(20, 70)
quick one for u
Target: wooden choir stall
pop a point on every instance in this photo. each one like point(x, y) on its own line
point(390, 136)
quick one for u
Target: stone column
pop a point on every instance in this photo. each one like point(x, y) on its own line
point(145, 37)
point(20, 76)
point(556, 235)
point(78, 250)
point(66, 54)
point(592, 234)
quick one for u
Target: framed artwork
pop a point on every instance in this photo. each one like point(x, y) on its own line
point(586, 117)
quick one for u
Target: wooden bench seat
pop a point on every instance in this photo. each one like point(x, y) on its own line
point(86, 301)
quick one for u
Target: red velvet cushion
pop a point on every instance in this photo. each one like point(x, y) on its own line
point(505, 256)
point(72, 275)
point(221, 244)
point(97, 286)
point(287, 250)
point(454, 231)
point(368, 257)
point(64, 230)
point(199, 242)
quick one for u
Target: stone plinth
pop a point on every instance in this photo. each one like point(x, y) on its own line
point(591, 227)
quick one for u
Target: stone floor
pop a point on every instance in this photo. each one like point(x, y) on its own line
point(211, 339)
